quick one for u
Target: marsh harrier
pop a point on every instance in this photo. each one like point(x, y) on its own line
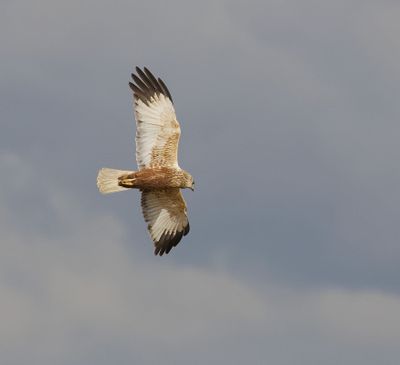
point(159, 177)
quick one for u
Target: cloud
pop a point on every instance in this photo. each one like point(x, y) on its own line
point(297, 193)
point(360, 316)
point(83, 279)
point(81, 288)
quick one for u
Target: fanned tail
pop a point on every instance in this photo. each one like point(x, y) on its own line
point(108, 182)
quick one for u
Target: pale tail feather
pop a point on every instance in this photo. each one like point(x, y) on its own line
point(107, 180)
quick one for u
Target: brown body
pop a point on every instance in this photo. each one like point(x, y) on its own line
point(156, 178)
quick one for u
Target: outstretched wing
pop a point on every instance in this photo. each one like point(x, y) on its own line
point(165, 213)
point(157, 130)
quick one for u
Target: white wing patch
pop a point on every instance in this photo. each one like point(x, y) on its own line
point(166, 216)
point(157, 133)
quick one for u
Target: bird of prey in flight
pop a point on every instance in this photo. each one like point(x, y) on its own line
point(159, 177)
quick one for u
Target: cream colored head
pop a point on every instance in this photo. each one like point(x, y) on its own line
point(188, 181)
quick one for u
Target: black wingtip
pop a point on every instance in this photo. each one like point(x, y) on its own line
point(167, 242)
point(145, 85)
point(187, 229)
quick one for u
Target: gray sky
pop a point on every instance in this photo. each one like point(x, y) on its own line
point(290, 119)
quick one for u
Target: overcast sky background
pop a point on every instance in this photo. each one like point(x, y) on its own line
point(289, 113)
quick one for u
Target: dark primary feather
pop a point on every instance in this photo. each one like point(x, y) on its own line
point(169, 240)
point(146, 80)
point(139, 82)
point(146, 85)
point(153, 81)
point(187, 229)
point(138, 93)
point(165, 90)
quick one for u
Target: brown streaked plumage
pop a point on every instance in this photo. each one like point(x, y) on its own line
point(156, 178)
point(159, 177)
